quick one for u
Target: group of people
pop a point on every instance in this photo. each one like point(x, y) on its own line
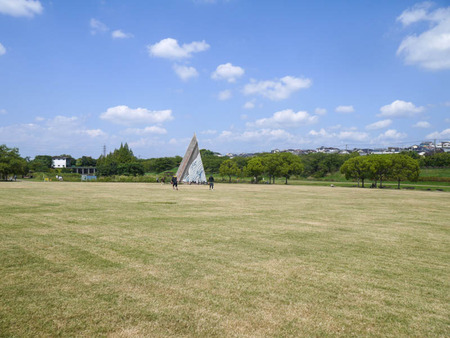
point(174, 182)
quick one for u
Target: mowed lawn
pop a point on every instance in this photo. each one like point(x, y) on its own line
point(124, 259)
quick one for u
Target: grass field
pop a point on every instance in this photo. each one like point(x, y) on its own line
point(124, 259)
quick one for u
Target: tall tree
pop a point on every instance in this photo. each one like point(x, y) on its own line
point(229, 168)
point(357, 168)
point(404, 168)
point(379, 167)
point(255, 168)
point(272, 164)
point(290, 165)
point(11, 162)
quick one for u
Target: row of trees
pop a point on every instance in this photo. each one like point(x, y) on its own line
point(273, 165)
point(397, 167)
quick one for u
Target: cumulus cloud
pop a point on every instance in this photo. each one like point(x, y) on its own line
point(94, 132)
point(348, 135)
point(391, 134)
point(2, 49)
point(345, 109)
point(400, 108)
point(209, 132)
point(277, 90)
point(170, 49)
point(224, 95)
point(320, 111)
point(119, 34)
point(21, 7)
point(147, 130)
point(249, 105)
point(227, 72)
point(431, 48)
point(285, 119)
point(185, 72)
point(125, 115)
point(445, 134)
point(379, 124)
point(262, 135)
point(51, 136)
point(97, 26)
point(422, 124)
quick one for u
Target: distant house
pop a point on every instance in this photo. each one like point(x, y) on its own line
point(60, 162)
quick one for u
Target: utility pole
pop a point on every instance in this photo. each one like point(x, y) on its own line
point(434, 146)
point(104, 150)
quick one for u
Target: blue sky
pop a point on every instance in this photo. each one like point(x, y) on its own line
point(245, 76)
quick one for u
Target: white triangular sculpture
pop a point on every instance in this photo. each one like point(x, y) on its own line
point(191, 167)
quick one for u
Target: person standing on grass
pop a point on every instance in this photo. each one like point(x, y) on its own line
point(211, 182)
point(174, 183)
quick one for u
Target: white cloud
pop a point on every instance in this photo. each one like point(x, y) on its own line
point(3, 112)
point(400, 108)
point(127, 116)
point(51, 136)
point(21, 7)
point(185, 72)
point(209, 132)
point(146, 130)
point(422, 124)
point(277, 90)
point(417, 13)
point(445, 134)
point(170, 49)
point(447, 120)
point(320, 111)
point(285, 119)
point(391, 134)
point(379, 124)
point(322, 132)
point(97, 26)
point(353, 136)
point(118, 34)
point(227, 72)
point(431, 48)
point(2, 49)
point(224, 95)
point(261, 135)
point(94, 132)
point(343, 135)
point(249, 105)
point(345, 109)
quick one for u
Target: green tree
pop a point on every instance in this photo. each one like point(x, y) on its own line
point(11, 162)
point(379, 167)
point(290, 165)
point(255, 168)
point(87, 161)
point(272, 164)
point(109, 165)
point(403, 167)
point(357, 168)
point(229, 168)
point(41, 163)
point(131, 168)
point(211, 161)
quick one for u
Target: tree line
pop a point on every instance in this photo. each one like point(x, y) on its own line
point(379, 168)
point(122, 161)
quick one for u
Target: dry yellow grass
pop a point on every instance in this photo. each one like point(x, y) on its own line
point(243, 260)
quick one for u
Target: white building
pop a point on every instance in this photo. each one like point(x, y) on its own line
point(60, 162)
